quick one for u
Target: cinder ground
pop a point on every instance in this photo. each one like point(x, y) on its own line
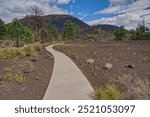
point(132, 83)
point(37, 74)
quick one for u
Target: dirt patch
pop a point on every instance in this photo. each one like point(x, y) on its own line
point(32, 77)
point(130, 65)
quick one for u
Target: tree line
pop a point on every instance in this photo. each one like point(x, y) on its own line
point(140, 33)
point(17, 32)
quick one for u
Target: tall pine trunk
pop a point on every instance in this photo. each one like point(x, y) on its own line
point(17, 43)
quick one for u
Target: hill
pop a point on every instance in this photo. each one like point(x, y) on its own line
point(100, 28)
point(57, 20)
point(103, 32)
point(107, 27)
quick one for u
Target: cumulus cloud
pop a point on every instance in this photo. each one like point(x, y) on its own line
point(127, 12)
point(63, 1)
point(10, 9)
point(121, 2)
point(130, 21)
point(109, 10)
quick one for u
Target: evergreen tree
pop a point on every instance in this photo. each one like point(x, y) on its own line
point(120, 33)
point(70, 31)
point(17, 32)
point(141, 33)
point(27, 35)
point(43, 35)
point(52, 31)
point(2, 29)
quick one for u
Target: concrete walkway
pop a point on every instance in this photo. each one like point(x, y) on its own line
point(67, 82)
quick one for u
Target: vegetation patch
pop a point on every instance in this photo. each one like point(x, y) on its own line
point(18, 77)
point(9, 69)
point(108, 93)
point(12, 52)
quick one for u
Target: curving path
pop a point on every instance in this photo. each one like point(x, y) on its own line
point(67, 82)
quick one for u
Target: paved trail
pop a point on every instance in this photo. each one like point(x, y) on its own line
point(67, 82)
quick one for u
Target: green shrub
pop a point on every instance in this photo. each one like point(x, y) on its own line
point(108, 93)
point(52, 32)
point(141, 32)
point(92, 38)
point(120, 34)
point(70, 30)
point(141, 36)
point(17, 32)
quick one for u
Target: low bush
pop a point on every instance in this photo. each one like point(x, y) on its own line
point(108, 93)
point(37, 47)
point(9, 53)
point(28, 50)
point(12, 52)
point(120, 34)
point(141, 36)
point(18, 77)
point(9, 69)
point(92, 38)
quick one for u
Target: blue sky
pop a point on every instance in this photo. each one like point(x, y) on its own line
point(115, 12)
point(85, 10)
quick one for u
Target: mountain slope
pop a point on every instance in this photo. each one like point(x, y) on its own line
point(101, 27)
point(107, 27)
point(57, 20)
point(103, 32)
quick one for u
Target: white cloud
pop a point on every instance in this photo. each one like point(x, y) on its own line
point(63, 1)
point(10, 9)
point(109, 10)
point(82, 16)
point(130, 21)
point(127, 12)
point(121, 2)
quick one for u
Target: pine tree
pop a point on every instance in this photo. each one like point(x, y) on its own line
point(27, 35)
point(2, 29)
point(43, 35)
point(141, 32)
point(17, 32)
point(52, 31)
point(70, 31)
point(120, 33)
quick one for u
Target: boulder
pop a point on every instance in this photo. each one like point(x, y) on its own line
point(108, 66)
point(90, 61)
point(130, 66)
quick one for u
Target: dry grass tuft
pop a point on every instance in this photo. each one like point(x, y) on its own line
point(12, 52)
point(108, 93)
